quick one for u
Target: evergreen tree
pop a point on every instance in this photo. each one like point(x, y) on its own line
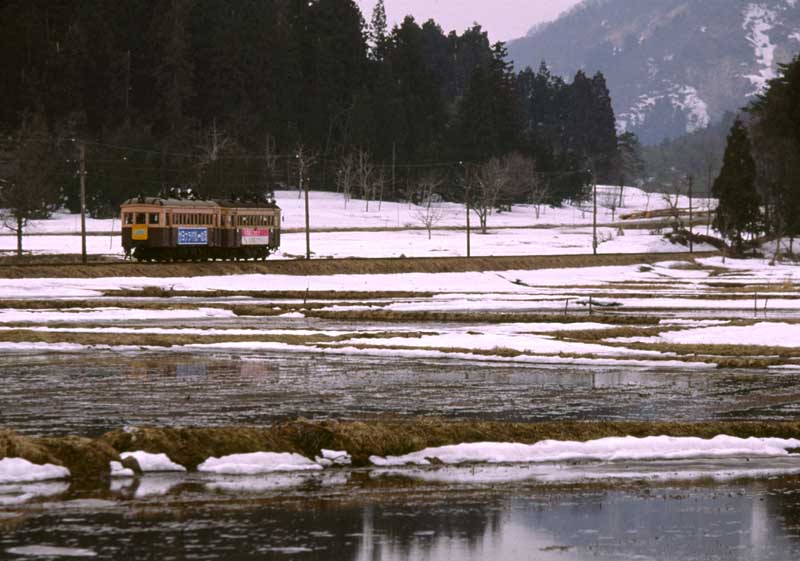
point(489, 120)
point(174, 72)
point(738, 211)
point(378, 32)
point(777, 126)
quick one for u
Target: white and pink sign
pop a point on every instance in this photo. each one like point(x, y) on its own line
point(255, 236)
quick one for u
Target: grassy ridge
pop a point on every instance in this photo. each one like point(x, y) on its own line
point(88, 458)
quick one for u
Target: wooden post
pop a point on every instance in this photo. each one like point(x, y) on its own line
point(468, 227)
point(691, 217)
point(83, 201)
point(594, 215)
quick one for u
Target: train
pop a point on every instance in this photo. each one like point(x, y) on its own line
point(185, 228)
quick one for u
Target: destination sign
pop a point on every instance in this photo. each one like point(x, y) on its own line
point(255, 236)
point(192, 236)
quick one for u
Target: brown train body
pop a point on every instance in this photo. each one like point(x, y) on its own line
point(164, 229)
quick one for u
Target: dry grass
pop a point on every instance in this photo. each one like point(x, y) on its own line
point(177, 339)
point(479, 317)
point(84, 457)
point(336, 266)
point(88, 304)
point(88, 458)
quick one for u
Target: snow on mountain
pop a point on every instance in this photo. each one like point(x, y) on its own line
point(672, 66)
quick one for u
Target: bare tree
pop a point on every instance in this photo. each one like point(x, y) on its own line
point(378, 183)
point(429, 211)
point(540, 195)
point(672, 200)
point(524, 185)
point(610, 200)
point(26, 191)
point(346, 175)
point(365, 171)
point(491, 179)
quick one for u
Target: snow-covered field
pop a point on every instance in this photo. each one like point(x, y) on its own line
point(684, 305)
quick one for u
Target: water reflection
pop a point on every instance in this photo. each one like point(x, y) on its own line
point(364, 519)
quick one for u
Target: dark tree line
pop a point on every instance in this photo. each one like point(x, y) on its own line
point(219, 93)
point(759, 184)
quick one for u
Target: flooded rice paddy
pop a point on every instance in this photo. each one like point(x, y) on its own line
point(89, 394)
point(739, 509)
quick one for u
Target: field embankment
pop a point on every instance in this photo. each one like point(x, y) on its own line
point(89, 458)
point(64, 268)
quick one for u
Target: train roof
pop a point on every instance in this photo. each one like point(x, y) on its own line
point(160, 201)
point(201, 203)
point(246, 204)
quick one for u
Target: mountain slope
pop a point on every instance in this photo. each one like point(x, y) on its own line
point(672, 66)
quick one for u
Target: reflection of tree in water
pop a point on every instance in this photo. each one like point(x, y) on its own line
point(783, 505)
point(406, 531)
point(195, 369)
point(671, 521)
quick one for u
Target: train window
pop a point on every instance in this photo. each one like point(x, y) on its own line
point(154, 216)
point(129, 218)
point(140, 218)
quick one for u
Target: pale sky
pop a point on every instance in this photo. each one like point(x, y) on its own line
point(503, 19)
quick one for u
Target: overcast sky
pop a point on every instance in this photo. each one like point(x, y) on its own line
point(503, 19)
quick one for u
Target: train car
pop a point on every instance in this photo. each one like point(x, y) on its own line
point(183, 229)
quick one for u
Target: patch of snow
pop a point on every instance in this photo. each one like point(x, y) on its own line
point(107, 314)
point(257, 462)
point(50, 551)
point(766, 334)
point(758, 22)
point(604, 449)
point(117, 470)
point(333, 458)
point(293, 315)
point(18, 470)
point(153, 462)
point(683, 97)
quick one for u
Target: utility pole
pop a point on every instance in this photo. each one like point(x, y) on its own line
point(594, 214)
point(690, 180)
point(394, 163)
point(305, 159)
point(83, 201)
point(467, 196)
point(304, 187)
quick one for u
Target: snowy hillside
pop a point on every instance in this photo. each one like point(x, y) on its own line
point(672, 65)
